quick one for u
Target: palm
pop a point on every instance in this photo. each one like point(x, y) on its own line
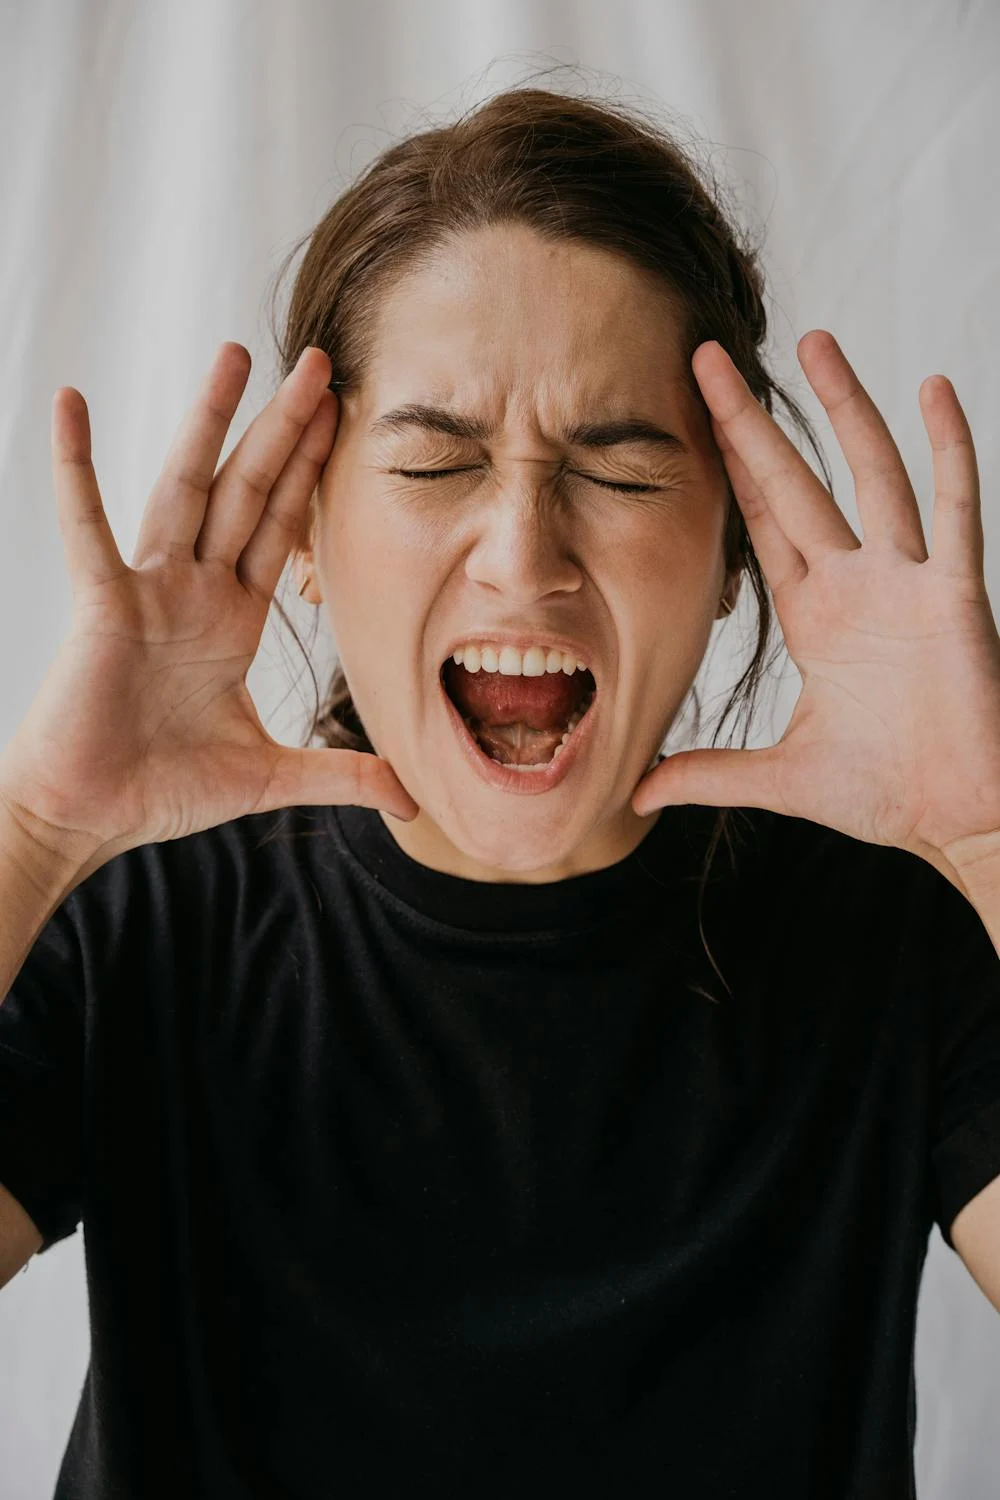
point(165, 667)
point(144, 729)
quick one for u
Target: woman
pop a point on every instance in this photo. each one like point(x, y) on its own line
point(419, 1135)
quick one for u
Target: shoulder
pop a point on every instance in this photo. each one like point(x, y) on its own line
point(216, 875)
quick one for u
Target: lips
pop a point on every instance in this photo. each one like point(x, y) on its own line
point(548, 652)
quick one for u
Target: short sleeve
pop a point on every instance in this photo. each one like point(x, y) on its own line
point(41, 1080)
point(965, 975)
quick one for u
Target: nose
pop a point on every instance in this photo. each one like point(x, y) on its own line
point(523, 546)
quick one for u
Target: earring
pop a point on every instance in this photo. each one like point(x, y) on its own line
point(304, 585)
point(726, 605)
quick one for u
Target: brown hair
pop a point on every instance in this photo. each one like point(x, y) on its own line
point(571, 168)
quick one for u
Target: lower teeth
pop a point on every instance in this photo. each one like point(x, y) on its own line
point(541, 765)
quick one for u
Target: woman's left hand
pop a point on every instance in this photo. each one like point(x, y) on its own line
point(895, 737)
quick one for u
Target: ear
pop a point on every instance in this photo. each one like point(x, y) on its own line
point(730, 594)
point(301, 555)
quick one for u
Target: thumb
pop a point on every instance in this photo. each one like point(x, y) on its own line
point(336, 778)
point(709, 778)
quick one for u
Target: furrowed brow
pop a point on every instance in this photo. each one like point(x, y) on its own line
point(431, 419)
point(625, 430)
point(607, 434)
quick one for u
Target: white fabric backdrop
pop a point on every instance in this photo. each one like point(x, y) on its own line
point(159, 159)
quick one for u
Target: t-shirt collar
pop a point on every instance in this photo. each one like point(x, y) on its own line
point(599, 896)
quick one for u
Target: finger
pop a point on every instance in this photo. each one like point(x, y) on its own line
point(713, 778)
point(92, 554)
point(886, 503)
point(240, 490)
point(782, 563)
point(175, 511)
point(801, 504)
point(337, 778)
point(264, 556)
point(957, 535)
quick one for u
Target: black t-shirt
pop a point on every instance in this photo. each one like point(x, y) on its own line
point(395, 1181)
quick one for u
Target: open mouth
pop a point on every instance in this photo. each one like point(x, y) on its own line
point(521, 720)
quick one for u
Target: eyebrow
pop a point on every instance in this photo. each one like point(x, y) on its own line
point(606, 434)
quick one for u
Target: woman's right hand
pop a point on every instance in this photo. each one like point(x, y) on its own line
point(143, 729)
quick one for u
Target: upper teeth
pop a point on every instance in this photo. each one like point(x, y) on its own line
point(511, 662)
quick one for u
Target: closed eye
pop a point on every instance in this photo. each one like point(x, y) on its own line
point(606, 484)
point(626, 489)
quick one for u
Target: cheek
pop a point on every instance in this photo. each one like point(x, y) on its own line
point(670, 556)
point(382, 572)
point(360, 547)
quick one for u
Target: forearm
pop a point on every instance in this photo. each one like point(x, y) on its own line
point(38, 869)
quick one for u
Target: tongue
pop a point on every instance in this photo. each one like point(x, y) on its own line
point(517, 720)
point(537, 702)
point(517, 744)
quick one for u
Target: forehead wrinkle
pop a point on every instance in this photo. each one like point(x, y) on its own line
point(608, 432)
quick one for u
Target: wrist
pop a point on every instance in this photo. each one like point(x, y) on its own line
point(975, 862)
point(51, 858)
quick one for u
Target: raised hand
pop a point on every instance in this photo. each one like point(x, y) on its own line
point(143, 729)
point(895, 737)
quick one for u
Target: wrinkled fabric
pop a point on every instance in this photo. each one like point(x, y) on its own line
point(390, 1178)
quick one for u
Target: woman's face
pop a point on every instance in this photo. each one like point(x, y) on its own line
point(528, 541)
